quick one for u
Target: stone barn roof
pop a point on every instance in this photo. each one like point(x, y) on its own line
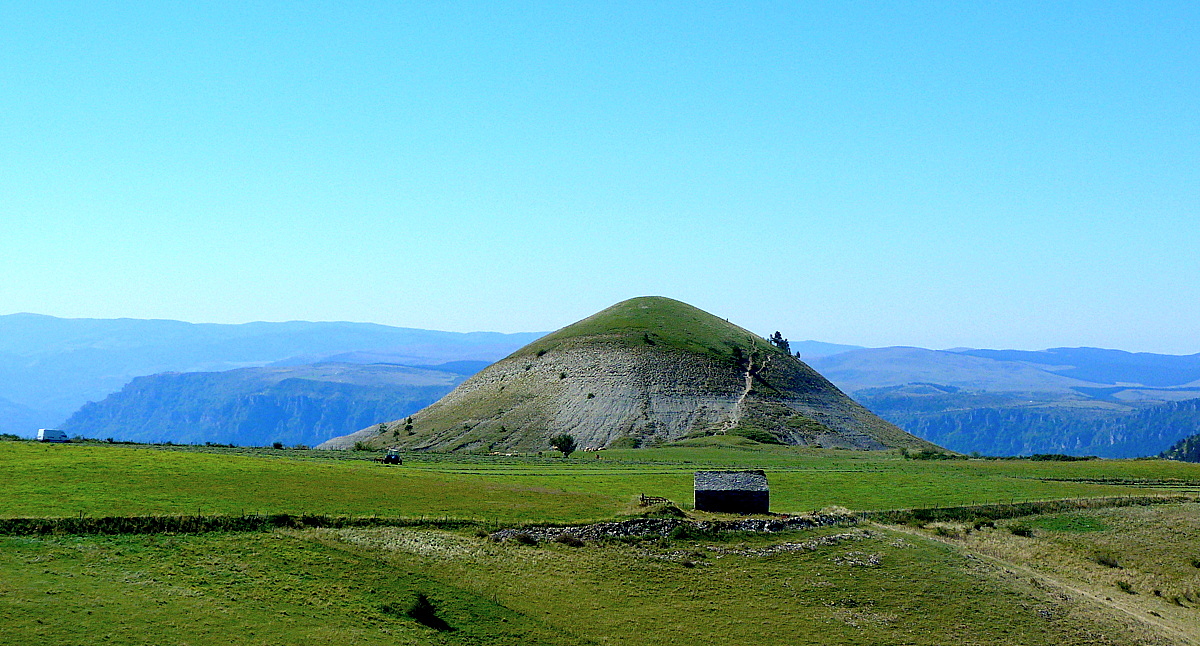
point(731, 481)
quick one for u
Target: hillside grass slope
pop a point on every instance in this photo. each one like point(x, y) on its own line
point(642, 372)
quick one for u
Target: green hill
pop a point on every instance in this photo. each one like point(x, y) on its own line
point(643, 372)
point(656, 321)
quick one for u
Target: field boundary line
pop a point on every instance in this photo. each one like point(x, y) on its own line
point(197, 524)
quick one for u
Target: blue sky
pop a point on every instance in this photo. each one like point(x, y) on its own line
point(1020, 175)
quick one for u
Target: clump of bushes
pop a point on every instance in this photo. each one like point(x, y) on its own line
point(1059, 457)
point(929, 454)
point(1126, 587)
point(569, 540)
point(663, 510)
point(1021, 529)
point(525, 539)
point(626, 442)
point(949, 530)
point(756, 434)
point(423, 612)
point(688, 532)
point(1107, 559)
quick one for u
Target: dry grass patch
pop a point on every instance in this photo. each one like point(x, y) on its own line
point(1133, 558)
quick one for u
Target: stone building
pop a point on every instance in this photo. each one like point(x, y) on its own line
point(733, 492)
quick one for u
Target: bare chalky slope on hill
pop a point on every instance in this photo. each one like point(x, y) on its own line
point(643, 371)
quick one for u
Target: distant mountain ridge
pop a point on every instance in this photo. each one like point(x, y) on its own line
point(50, 366)
point(1107, 366)
point(258, 406)
point(1080, 401)
point(1052, 398)
point(1015, 424)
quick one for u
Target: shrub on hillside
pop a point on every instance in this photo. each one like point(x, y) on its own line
point(1021, 529)
point(625, 442)
point(525, 539)
point(949, 530)
point(423, 612)
point(756, 434)
point(1107, 559)
point(569, 540)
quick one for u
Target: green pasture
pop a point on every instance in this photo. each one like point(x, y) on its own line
point(230, 588)
point(45, 480)
point(354, 586)
point(851, 585)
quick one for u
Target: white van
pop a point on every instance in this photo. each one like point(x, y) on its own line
point(51, 435)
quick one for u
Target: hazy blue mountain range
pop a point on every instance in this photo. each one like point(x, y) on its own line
point(1068, 400)
point(1108, 366)
point(15, 416)
point(50, 366)
point(258, 406)
point(1080, 401)
point(1014, 424)
point(880, 367)
point(807, 349)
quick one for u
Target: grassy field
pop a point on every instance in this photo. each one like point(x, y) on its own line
point(828, 586)
point(258, 588)
point(1139, 564)
point(840, 585)
point(103, 480)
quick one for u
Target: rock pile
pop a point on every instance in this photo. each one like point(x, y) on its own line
point(651, 527)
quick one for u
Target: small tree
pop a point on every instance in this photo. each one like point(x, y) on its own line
point(778, 341)
point(563, 443)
